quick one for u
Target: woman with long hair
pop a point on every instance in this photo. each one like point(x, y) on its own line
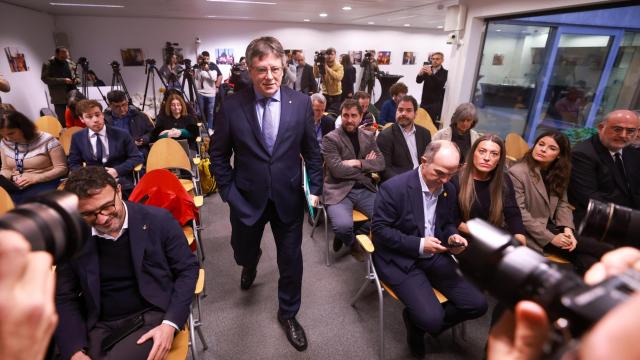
point(460, 131)
point(174, 122)
point(485, 191)
point(32, 160)
point(540, 182)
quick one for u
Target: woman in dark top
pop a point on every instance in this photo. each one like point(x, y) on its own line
point(349, 78)
point(174, 122)
point(461, 132)
point(485, 191)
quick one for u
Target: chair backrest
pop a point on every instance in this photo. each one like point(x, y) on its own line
point(49, 124)
point(6, 203)
point(65, 137)
point(168, 154)
point(516, 146)
point(424, 119)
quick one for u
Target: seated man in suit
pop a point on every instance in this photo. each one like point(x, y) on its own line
point(414, 231)
point(134, 277)
point(102, 145)
point(605, 167)
point(122, 116)
point(350, 155)
point(324, 124)
point(403, 143)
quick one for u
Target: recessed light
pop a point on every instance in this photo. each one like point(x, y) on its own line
point(407, 25)
point(371, 23)
point(306, 20)
point(228, 17)
point(86, 5)
point(498, 30)
point(440, 27)
point(324, 14)
point(244, 2)
point(346, 8)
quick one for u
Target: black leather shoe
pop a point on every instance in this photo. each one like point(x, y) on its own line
point(337, 244)
point(295, 333)
point(249, 274)
point(415, 337)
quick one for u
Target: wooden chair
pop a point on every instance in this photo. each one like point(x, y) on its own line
point(195, 320)
point(424, 119)
point(169, 154)
point(381, 287)
point(516, 147)
point(6, 203)
point(179, 346)
point(49, 124)
point(65, 138)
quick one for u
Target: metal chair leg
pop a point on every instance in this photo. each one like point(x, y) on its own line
point(192, 336)
point(326, 237)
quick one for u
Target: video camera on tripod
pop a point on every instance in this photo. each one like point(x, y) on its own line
point(319, 60)
point(496, 262)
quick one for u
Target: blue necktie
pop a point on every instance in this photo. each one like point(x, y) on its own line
point(268, 126)
point(99, 149)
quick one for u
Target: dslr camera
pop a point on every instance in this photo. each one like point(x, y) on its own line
point(611, 223)
point(115, 65)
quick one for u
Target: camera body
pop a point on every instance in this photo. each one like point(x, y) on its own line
point(319, 60)
point(115, 66)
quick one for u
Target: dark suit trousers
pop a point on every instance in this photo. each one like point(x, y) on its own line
point(245, 241)
point(60, 110)
point(440, 272)
point(127, 348)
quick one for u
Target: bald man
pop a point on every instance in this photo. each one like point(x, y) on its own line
point(605, 167)
point(415, 221)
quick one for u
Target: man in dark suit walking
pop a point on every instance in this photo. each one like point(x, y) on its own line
point(403, 143)
point(134, 276)
point(414, 226)
point(266, 128)
point(434, 77)
point(605, 167)
point(101, 145)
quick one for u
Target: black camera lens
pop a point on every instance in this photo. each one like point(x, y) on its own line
point(50, 223)
point(611, 223)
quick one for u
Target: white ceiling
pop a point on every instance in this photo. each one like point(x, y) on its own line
point(395, 13)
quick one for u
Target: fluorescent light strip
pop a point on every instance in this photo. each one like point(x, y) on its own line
point(86, 5)
point(402, 18)
point(244, 2)
point(228, 17)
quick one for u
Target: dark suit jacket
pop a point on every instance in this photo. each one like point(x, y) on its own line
point(398, 223)
point(339, 179)
point(165, 268)
point(594, 176)
point(327, 124)
point(123, 154)
point(258, 176)
point(397, 157)
point(308, 83)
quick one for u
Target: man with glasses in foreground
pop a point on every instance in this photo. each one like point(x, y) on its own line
point(415, 221)
point(268, 128)
point(605, 167)
point(129, 290)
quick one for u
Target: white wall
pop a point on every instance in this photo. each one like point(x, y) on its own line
point(32, 33)
point(100, 40)
point(464, 59)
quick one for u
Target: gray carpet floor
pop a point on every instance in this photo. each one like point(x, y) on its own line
point(243, 325)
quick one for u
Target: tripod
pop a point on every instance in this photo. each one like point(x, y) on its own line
point(118, 81)
point(187, 78)
point(150, 67)
point(84, 78)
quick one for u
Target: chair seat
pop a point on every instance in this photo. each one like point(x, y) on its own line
point(359, 217)
point(188, 233)
point(557, 259)
point(200, 282)
point(441, 298)
point(187, 184)
point(180, 345)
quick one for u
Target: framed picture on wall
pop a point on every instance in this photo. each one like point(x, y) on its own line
point(356, 57)
point(408, 58)
point(384, 57)
point(498, 59)
point(132, 57)
point(16, 59)
point(224, 56)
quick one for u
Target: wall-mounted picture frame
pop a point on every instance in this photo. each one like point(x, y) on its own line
point(132, 57)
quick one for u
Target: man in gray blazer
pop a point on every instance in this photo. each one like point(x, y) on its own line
point(351, 155)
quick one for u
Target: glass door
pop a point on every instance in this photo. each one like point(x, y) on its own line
point(573, 80)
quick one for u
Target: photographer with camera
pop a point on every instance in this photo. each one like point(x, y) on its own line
point(330, 73)
point(240, 78)
point(60, 75)
point(26, 299)
point(208, 78)
point(171, 72)
point(434, 77)
point(370, 68)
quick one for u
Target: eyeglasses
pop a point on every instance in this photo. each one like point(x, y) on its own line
point(619, 130)
point(106, 210)
point(262, 70)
